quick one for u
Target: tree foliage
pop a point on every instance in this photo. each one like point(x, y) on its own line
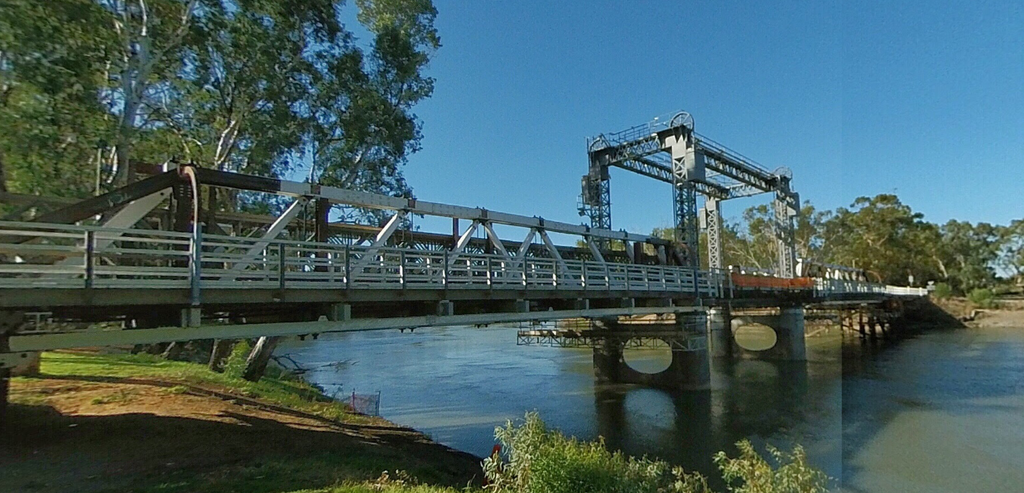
point(536, 459)
point(890, 240)
point(90, 87)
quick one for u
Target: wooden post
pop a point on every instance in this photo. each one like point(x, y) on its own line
point(90, 264)
point(281, 257)
point(221, 350)
point(259, 357)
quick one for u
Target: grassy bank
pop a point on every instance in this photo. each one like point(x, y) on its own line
point(103, 423)
point(119, 422)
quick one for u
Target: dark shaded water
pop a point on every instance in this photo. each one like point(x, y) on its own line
point(929, 414)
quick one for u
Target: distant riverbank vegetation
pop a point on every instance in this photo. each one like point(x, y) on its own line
point(892, 242)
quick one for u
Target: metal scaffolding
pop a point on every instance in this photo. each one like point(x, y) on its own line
point(668, 150)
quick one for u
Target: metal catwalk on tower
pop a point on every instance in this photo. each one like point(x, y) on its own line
point(670, 151)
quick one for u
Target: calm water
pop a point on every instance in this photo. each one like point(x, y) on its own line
point(940, 412)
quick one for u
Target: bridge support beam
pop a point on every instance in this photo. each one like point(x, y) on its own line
point(790, 333)
point(9, 322)
point(445, 308)
point(191, 316)
point(720, 332)
point(522, 306)
point(690, 369)
point(788, 325)
point(339, 312)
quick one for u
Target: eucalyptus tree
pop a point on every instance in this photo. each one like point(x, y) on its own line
point(969, 253)
point(883, 236)
point(1011, 250)
point(52, 124)
point(149, 38)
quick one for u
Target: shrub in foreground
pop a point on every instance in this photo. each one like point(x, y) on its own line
point(537, 460)
point(942, 291)
point(982, 298)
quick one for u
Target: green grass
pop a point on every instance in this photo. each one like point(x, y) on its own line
point(279, 390)
point(347, 472)
point(120, 396)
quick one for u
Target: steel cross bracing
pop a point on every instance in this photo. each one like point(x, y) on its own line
point(713, 220)
point(115, 269)
point(670, 151)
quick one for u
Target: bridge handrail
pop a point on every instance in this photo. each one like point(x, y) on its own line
point(70, 256)
point(34, 255)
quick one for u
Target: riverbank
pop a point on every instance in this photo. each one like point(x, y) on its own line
point(93, 422)
point(1006, 313)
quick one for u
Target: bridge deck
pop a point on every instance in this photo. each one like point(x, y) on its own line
point(95, 273)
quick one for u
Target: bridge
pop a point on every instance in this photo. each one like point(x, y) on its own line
point(154, 262)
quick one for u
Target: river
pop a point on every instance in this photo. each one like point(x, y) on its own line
point(942, 411)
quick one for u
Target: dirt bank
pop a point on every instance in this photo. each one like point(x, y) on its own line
point(1007, 313)
point(78, 431)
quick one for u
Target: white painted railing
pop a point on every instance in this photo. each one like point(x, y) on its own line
point(825, 287)
point(62, 256)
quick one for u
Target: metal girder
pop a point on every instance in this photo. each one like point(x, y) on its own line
point(628, 149)
point(46, 342)
point(124, 219)
point(686, 230)
point(380, 240)
point(735, 166)
point(784, 236)
point(103, 203)
point(136, 210)
point(562, 269)
point(596, 201)
point(272, 233)
point(527, 242)
point(463, 241)
point(714, 233)
point(594, 250)
point(410, 205)
point(495, 241)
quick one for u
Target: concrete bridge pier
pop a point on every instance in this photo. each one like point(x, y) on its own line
point(790, 332)
point(9, 322)
point(788, 327)
point(689, 370)
point(720, 332)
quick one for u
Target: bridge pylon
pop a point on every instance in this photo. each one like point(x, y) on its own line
point(788, 326)
point(690, 369)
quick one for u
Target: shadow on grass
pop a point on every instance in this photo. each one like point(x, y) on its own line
point(202, 390)
point(44, 450)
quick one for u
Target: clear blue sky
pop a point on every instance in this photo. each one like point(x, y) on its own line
point(858, 98)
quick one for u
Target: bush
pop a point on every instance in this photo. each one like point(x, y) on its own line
point(537, 460)
point(982, 298)
point(235, 364)
point(942, 291)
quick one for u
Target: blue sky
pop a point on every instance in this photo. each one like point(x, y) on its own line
point(857, 98)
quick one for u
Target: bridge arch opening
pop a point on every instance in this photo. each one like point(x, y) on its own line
point(655, 356)
point(755, 337)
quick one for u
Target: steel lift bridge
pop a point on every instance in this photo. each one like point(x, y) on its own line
point(672, 152)
point(156, 266)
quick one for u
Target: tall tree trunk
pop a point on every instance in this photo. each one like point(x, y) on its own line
point(173, 350)
point(258, 359)
point(220, 352)
point(3, 174)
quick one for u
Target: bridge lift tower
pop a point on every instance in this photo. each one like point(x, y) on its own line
point(670, 151)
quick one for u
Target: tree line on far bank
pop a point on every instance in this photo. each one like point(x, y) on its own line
point(889, 240)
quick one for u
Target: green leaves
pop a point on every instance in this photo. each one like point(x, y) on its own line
point(888, 239)
point(535, 459)
point(255, 86)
